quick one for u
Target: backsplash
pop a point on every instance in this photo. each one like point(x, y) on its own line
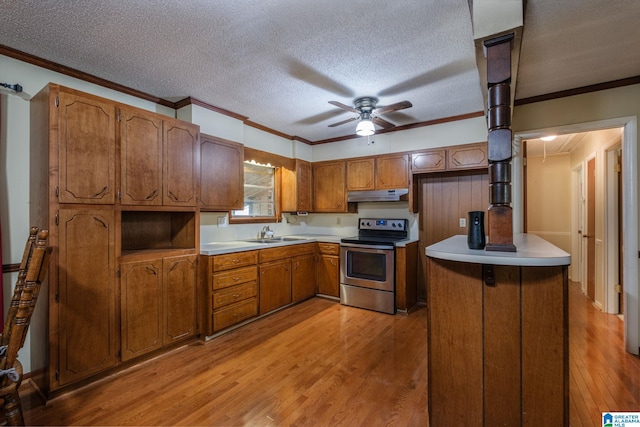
point(343, 224)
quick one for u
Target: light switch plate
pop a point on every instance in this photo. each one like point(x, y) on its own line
point(463, 222)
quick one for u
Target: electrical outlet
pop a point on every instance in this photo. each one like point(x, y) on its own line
point(222, 221)
point(463, 222)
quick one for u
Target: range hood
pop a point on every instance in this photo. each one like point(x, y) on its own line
point(378, 195)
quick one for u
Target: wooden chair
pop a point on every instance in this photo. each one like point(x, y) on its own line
point(33, 269)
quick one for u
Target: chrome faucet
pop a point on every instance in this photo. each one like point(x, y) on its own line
point(266, 233)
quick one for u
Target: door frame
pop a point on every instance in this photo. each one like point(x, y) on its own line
point(612, 277)
point(577, 218)
point(589, 207)
point(629, 209)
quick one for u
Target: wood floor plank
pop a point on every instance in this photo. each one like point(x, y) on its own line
point(320, 363)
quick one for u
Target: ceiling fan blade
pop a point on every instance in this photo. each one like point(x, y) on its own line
point(344, 107)
point(393, 107)
point(343, 122)
point(383, 123)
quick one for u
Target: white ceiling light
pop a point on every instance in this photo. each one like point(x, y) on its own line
point(548, 138)
point(365, 128)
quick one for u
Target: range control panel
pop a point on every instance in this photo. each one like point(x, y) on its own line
point(382, 224)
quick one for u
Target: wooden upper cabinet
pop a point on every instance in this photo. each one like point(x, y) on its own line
point(472, 156)
point(221, 174)
point(392, 171)
point(87, 147)
point(360, 174)
point(329, 184)
point(457, 157)
point(429, 161)
point(386, 172)
point(296, 187)
point(140, 157)
point(181, 163)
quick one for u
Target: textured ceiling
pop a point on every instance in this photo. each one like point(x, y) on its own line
point(279, 62)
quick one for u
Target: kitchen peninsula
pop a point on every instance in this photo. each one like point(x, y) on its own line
point(498, 334)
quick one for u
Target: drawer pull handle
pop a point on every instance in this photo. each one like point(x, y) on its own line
point(235, 279)
point(235, 261)
point(236, 296)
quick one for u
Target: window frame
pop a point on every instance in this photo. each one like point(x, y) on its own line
point(276, 203)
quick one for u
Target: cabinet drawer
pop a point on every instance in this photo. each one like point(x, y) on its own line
point(234, 294)
point(234, 260)
point(234, 277)
point(234, 313)
point(329, 248)
point(282, 252)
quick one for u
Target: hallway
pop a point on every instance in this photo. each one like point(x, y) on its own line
point(602, 376)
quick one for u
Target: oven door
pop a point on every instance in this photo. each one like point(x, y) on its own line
point(367, 266)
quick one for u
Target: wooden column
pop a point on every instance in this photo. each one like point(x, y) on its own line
point(500, 216)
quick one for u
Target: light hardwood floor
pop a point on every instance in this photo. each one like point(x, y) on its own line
point(323, 364)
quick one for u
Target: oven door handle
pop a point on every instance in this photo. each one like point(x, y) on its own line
point(362, 246)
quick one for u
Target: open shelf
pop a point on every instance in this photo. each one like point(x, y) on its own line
point(157, 232)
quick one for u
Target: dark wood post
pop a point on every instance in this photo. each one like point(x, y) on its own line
point(500, 215)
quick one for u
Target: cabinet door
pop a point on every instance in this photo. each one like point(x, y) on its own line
point(392, 172)
point(275, 285)
point(140, 157)
point(181, 162)
point(303, 277)
point(87, 336)
point(87, 147)
point(429, 161)
point(329, 183)
point(296, 187)
point(141, 307)
point(221, 174)
point(179, 296)
point(304, 181)
point(360, 174)
point(328, 274)
point(472, 156)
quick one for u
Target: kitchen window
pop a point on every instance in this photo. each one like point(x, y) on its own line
point(259, 194)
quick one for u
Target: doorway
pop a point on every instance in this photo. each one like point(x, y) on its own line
point(616, 207)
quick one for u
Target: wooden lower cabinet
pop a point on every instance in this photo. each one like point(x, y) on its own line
point(328, 269)
point(498, 349)
point(243, 285)
point(86, 311)
point(141, 307)
point(303, 277)
point(231, 281)
point(275, 285)
point(158, 303)
point(179, 280)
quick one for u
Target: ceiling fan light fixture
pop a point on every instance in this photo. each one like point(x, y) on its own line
point(365, 128)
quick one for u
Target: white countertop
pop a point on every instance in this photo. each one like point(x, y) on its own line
point(218, 248)
point(531, 250)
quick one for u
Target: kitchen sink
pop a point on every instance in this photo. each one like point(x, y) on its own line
point(275, 240)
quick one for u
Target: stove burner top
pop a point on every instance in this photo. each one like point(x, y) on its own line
point(372, 240)
point(379, 232)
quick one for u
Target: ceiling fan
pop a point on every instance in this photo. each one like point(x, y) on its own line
point(368, 114)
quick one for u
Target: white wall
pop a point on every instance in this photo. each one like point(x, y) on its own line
point(549, 199)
